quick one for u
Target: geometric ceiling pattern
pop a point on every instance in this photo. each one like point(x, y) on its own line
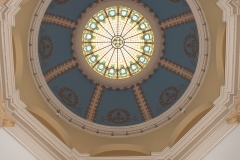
point(117, 42)
point(118, 107)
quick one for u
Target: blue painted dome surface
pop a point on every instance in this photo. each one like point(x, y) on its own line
point(118, 107)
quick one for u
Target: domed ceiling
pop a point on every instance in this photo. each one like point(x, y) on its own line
point(123, 104)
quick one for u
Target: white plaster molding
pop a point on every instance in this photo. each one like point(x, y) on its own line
point(121, 158)
point(228, 92)
point(8, 10)
point(7, 20)
point(229, 8)
point(125, 131)
point(216, 137)
point(39, 135)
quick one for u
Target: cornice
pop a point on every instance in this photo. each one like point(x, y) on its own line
point(229, 8)
point(7, 20)
point(8, 10)
point(228, 92)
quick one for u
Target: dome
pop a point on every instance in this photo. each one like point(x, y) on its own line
point(116, 64)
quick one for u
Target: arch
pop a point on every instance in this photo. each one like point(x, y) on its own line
point(18, 56)
point(188, 122)
point(120, 150)
point(221, 51)
point(51, 124)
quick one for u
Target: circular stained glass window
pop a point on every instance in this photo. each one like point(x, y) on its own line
point(117, 42)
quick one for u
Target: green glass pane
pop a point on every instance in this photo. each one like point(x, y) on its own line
point(124, 12)
point(112, 12)
point(135, 17)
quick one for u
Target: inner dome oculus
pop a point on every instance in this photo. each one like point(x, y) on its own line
point(117, 42)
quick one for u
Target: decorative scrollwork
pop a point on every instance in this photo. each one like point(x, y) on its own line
point(191, 45)
point(68, 97)
point(169, 96)
point(119, 116)
point(45, 47)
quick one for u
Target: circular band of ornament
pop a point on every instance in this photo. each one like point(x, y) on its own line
point(46, 47)
point(104, 37)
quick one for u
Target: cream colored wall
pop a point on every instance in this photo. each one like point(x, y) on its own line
point(155, 141)
point(10, 145)
point(2, 1)
point(227, 148)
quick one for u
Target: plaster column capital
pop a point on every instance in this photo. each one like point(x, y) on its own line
point(234, 116)
point(5, 119)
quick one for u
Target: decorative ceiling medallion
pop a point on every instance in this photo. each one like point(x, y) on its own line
point(117, 42)
point(114, 43)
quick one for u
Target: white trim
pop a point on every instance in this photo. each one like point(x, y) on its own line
point(219, 134)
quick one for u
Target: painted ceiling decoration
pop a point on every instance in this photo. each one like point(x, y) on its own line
point(120, 107)
point(118, 63)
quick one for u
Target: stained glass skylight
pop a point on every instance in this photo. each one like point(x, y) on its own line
point(117, 42)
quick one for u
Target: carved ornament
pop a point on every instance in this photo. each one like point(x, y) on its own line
point(5, 119)
point(234, 116)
